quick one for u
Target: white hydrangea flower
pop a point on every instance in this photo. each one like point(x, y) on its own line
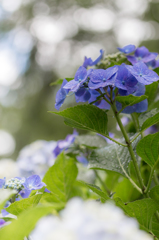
point(89, 220)
point(8, 168)
point(36, 158)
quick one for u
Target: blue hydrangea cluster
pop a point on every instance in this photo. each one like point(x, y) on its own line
point(24, 186)
point(92, 84)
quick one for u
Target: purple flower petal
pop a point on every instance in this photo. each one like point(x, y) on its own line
point(33, 183)
point(61, 95)
point(141, 72)
point(127, 49)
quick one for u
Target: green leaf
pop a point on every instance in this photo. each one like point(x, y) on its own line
point(143, 210)
point(25, 223)
point(60, 81)
point(17, 207)
point(148, 119)
point(126, 191)
point(5, 195)
point(95, 189)
point(154, 194)
point(156, 70)
point(148, 149)
point(130, 100)
point(91, 141)
point(114, 157)
point(151, 92)
point(60, 177)
point(87, 117)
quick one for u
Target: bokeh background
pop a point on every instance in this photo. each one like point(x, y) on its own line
point(41, 41)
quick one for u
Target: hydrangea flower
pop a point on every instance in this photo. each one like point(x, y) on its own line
point(64, 144)
point(125, 80)
point(14, 183)
point(138, 107)
point(2, 182)
point(100, 103)
point(3, 211)
point(81, 76)
point(90, 62)
point(142, 54)
point(61, 95)
point(127, 49)
point(36, 158)
point(102, 78)
point(2, 223)
point(33, 183)
point(82, 159)
point(141, 72)
point(89, 220)
point(153, 64)
point(83, 94)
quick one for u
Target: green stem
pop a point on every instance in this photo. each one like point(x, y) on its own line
point(135, 137)
point(112, 139)
point(103, 184)
point(129, 146)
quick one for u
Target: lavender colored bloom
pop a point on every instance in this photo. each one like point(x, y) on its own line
point(3, 211)
point(83, 94)
point(25, 193)
point(138, 107)
point(81, 76)
point(151, 130)
point(61, 95)
point(2, 223)
point(100, 103)
point(141, 72)
point(46, 190)
point(82, 159)
point(36, 158)
point(102, 78)
point(2, 182)
point(64, 144)
point(125, 80)
point(153, 64)
point(33, 183)
point(142, 54)
point(89, 61)
point(127, 49)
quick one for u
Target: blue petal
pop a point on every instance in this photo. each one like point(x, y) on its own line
point(81, 74)
point(127, 49)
